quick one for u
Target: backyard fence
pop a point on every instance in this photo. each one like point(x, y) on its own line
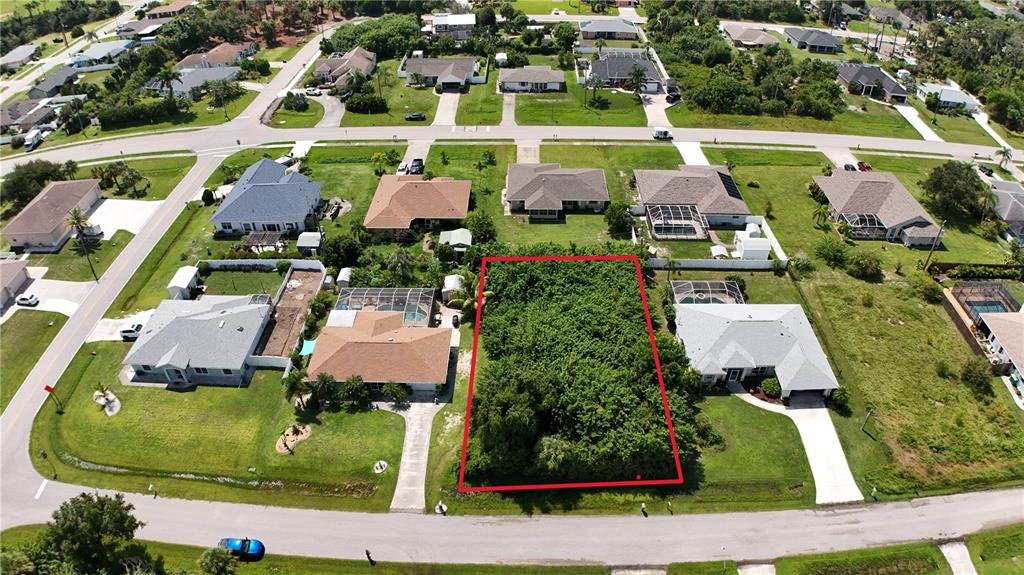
point(709, 264)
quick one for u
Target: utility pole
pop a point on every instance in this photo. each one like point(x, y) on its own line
point(938, 238)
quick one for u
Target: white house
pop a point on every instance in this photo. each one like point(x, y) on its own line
point(949, 96)
point(185, 280)
point(1006, 340)
point(458, 26)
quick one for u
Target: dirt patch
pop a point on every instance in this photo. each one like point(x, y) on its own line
point(289, 317)
point(452, 421)
point(292, 436)
point(465, 362)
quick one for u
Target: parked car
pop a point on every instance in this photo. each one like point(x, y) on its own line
point(986, 170)
point(864, 166)
point(27, 300)
point(415, 117)
point(244, 549)
point(662, 134)
point(345, 95)
point(416, 166)
point(287, 160)
point(672, 97)
point(403, 169)
point(850, 167)
point(131, 333)
point(313, 91)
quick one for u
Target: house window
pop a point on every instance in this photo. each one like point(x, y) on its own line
point(707, 378)
point(147, 368)
point(202, 370)
point(227, 371)
point(247, 227)
point(289, 226)
point(226, 225)
point(759, 371)
point(271, 227)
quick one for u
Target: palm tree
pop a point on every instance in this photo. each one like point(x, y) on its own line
point(378, 159)
point(466, 298)
point(86, 247)
point(91, 36)
point(296, 386)
point(987, 202)
point(322, 389)
point(401, 261)
point(600, 43)
point(1005, 156)
point(592, 82)
point(637, 76)
point(821, 214)
point(30, 6)
point(166, 77)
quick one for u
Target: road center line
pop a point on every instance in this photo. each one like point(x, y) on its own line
point(42, 486)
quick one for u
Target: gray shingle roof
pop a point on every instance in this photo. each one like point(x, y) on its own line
point(722, 336)
point(57, 79)
point(1010, 203)
point(868, 75)
point(813, 37)
point(878, 193)
point(18, 54)
point(265, 193)
point(709, 188)
point(608, 25)
point(546, 186)
point(614, 67)
point(212, 332)
point(439, 67)
point(531, 75)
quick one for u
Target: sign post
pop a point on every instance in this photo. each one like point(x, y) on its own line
point(56, 399)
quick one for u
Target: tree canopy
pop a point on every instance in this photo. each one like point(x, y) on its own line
point(955, 187)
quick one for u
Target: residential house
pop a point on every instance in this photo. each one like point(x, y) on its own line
point(339, 70)
point(13, 277)
point(890, 15)
point(850, 13)
point(19, 56)
point(948, 96)
point(41, 226)
point(378, 347)
point(877, 206)
point(1006, 341)
point(142, 31)
point(872, 81)
point(402, 203)
point(531, 79)
point(100, 53)
point(218, 57)
point(547, 191)
point(52, 84)
point(449, 72)
point(268, 198)
point(814, 41)
point(184, 283)
point(205, 341)
point(195, 78)
point(685, 203)
point(169, 10)
point(609, 29)
point(1010, 207)
point(731, 343)
point(457, 26)
point(460, 239)
point(23, 115)
point(615, 70)
point(745, 37)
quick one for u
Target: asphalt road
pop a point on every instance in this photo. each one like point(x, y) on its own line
point(616, 540)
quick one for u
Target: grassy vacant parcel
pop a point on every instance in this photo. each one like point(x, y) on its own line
point(578, 106)
point(226, 436)
point(182, 558)
point(482, 105)
point(68, 265)
point(23, 339)
point(998, 552)
point(294, 119)
point(347, 172)
point(912, 559)
point(163, 174)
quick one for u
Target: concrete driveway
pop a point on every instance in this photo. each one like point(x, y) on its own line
point(508, 110)
point(333, 111)
point(417, 149)
point(446, 109)
point(54, 295)
point(128, 215)
point(654, 107)
point(839, 156)
point(692, 154)
point(910, 114)
point(110, 329)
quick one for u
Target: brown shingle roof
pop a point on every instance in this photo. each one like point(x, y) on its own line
point(709, 188)
point(48, 210)
point(1009, 330)
point(878, 193)
point(546, 186)
point(748, 36)
point(219, 55)
point(401, 199)
point(379, 348)
point(172, 7)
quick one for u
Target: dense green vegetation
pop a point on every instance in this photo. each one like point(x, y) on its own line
point(569, 391)
point(998, 552)
point(913, 559)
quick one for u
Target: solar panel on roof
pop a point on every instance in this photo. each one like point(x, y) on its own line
point(730, 186)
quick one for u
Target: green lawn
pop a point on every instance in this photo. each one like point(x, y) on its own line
point(402, 100)
point(292, 119)
point(189, 238)
point(960, 129)
point(572, 7)
point(705, 568)
point(612, 108)
point(482, 105)
point(199, 115)
point(68, 265)
point(878, 120)
point(347, 173)
point(280, 53)
point(687, 249)
point(182, 558)
point(618, 162)
point(23, 339)
point(163, 173)
point(225, 435)
point(242, 159)
point(998, 552)
point(1015, 139)
point(912, 559)
point(242, 283)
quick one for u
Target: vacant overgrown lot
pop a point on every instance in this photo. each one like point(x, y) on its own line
point(163, 174)
point(226, 435)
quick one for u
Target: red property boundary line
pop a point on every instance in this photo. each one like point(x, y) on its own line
point(657, 364)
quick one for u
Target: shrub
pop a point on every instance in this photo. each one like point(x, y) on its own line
point(396, 391)
point(17, 142)
point(943, 369)
point(366, 104)
point(839, 399)
point(983, 271)
point(930, 291)
point(754, 184)
point(282, 267)
point(833, 251)
point(771, 387)
point(208, 198)
point(802, 263)
point(295, 102)
point(204, 269)
point(740, 282)
point(976, 375)
point(77, 32)
point(867, 299)
point(864, 265)
point(992, 229)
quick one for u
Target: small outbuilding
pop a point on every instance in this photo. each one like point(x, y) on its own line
point(344, 276)
point(460, 239)
point(452, 284)
point(184, 282)
point(308, 243)
point(750, 245)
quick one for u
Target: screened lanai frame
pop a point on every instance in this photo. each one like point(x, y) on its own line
point(978, 297)
point(677, 222)
point(416, 303)
point(698, 291)
point(865, 225)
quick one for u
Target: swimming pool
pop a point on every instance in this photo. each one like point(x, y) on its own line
point(700, 298)
point(979, 307)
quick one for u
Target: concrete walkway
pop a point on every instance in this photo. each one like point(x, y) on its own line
point(446, 109)
point(128, 215)
point(508, 110)
point(59, 296)
point(910, 114)
point(527, 152)
point(637, 571)
point(958, 557)
point(333, 112)
point(833, 482)
point(982, 119)
point(692, 154)
point(417, 149)
point(410, 491)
